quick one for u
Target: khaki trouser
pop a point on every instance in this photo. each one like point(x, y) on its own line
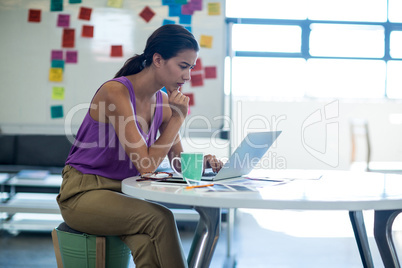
point(95, 205)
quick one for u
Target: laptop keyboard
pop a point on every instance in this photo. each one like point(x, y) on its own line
point(209, 174)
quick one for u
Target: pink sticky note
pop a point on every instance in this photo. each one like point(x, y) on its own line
point(56, 55)
point(196, 4)
point(63, 20)
point(187, 9)
point(72, 56)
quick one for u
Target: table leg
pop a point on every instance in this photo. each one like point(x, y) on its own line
point(359, 229)
point(383, 220)
point(205, 237)
point(230, 261)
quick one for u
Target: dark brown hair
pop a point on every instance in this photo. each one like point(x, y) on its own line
point(167, 40)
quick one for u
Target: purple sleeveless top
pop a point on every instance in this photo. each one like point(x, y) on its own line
point(97, 149)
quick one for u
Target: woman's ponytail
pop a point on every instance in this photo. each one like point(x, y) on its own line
point(132, 66)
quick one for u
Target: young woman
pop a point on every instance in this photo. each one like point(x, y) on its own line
point(118, 139)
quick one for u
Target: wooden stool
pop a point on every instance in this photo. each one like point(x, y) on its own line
point(76, 249)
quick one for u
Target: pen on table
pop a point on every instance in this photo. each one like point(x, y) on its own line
point(199, 186)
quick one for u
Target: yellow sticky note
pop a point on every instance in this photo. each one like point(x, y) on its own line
point(56, 74)
point(115, 3)
point(58, 93)
point(214, 9)
point(206, 41)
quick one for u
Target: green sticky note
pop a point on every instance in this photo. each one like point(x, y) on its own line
point(58, 64)
point(56, 5)
point(181, 2)
point(58, 93)
point(115, 3)
point(56, 111)
point(75, 1)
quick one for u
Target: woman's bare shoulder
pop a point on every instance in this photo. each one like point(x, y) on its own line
point(112, 90)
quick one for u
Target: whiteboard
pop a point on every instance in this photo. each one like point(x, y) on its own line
point(25, 56)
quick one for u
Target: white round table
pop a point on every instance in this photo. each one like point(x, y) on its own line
point(334, 190)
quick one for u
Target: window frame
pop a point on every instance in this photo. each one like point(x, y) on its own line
point(305, 39)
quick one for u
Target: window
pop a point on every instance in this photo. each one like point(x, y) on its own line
point(276, 38)
point(340, 40)
point(316, 48)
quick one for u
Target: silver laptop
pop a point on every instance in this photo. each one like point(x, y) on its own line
point(246, 156)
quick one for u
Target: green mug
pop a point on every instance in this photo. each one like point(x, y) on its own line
point(192, 165)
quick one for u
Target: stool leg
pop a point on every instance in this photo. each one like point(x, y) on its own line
point(100, 252)
point(57, 249)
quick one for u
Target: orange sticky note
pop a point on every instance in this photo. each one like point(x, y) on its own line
point(85, 13)
point(68, 38)
point(87, 31)
point(56, 74)
point(214, 9)
point(206, 41)
point(116, 51)
point(34, 15)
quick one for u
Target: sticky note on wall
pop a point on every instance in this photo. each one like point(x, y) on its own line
point(58, 64)
point(196, 5)
point(185, 19)
point(187, 9)
point(56, 74)
point(210, 72)
point(197, 80)
point(72, 56)
point(198, 65)
point(206, 41)
point(116, 51)
point(180, 2)
point(214, 9)
point(68, 39)
point(174, 10)
point(58, 93)
point(34, 15)
point(191, 97)
point(56, 5)
point(63, 20)
point(85, 13)
point(56, 111)
point(115, 3)
point(147, 13)
point(87, 31)
point(166, 21)
point(56, 55)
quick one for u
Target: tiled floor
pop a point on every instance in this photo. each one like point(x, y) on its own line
point(263, 238)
